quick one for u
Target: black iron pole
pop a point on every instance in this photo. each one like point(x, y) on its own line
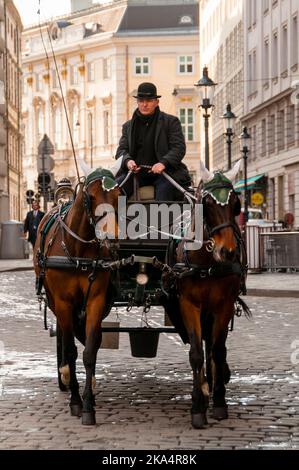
point(44, 182)
point(229, 135)
point(207, 151)
point(245, 151)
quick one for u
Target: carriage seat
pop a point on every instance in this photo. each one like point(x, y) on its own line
point(145, 193)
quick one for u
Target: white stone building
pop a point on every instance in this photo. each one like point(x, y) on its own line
point(271, 110)
point(102, 54)
point(221, 50)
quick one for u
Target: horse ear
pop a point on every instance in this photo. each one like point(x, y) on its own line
point(205, 174)
point(84, 167)
point(116, 167)
point(231, 174)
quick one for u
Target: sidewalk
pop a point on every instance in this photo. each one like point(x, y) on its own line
point(265, 284)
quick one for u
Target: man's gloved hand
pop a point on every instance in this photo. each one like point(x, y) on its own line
point(132, 166)
point(158, 168)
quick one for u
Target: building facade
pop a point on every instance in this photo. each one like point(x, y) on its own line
point(102, 55)
point(10, 112)
point(221, 50)
point(271, 102)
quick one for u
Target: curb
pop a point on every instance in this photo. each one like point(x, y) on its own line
point(272, 293)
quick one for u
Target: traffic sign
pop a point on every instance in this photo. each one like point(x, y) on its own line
point(45, 163)
point(257, 199)
point(44, 179)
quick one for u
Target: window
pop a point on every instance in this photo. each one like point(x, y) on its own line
point(280, 130)
point(55, 79)
point(265, 6)
point(265, 63)
point(39, 82)
point(263, 138)
point(294, 42)
point(275, 55)
point(141, 65)
point(91, 72)
point(291, 125)
point(75, 75)
point(106, 118)
point(106, 68)
point(185, 64)
point(271, 133)
point(284, 49)
point(57, 127)
point(252, 87)
point(40, 124)
point(25, 86)
point(187, 120)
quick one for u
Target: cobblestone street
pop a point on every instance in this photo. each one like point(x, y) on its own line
point(145, 403)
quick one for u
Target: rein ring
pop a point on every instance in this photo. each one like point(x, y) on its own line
point(210, 245)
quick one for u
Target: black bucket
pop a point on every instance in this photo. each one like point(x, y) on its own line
point(144, 342)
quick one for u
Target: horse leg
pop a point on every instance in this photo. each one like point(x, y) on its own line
point(92, 344)
point(221, 372)
point(200, 392)
point(71, 354)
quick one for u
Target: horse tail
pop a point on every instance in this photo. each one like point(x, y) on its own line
point(244, 307)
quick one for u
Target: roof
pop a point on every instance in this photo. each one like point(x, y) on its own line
point(157, 17)
point(250, 182)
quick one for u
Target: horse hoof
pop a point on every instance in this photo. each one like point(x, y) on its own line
point(199, 420)
point(88, 418)
point(76, 410)
point(220, 412)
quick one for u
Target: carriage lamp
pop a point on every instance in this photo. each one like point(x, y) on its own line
point(228, 122)
point(245, 149)
point(206, 89)
point(142, 277)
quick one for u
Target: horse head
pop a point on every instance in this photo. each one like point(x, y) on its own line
point(221, 205)
point(100, 199)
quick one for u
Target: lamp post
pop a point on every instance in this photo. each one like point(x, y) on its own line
point(228, 122)
point(206, 88)
point(245, 149)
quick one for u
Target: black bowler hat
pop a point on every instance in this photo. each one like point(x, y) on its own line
point(147, 90)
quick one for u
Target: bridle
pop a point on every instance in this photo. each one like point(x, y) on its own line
point(93, 220)
point(208, 190)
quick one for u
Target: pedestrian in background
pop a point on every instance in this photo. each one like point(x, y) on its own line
point(32, 221)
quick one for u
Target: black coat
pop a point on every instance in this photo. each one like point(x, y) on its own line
point(31, 224)
point(170, 147)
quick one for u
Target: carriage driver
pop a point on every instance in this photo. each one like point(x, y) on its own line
point(152, 138)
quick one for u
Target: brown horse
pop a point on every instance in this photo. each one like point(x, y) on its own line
point(65, 257)
point(208, 285)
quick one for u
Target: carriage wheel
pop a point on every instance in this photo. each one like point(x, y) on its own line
point(59, 351)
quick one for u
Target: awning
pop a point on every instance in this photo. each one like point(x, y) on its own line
point(251, 182)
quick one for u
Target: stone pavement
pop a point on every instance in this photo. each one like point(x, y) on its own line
point(265, 284)
point(144, 403)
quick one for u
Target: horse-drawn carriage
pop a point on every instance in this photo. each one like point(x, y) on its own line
point(92, 254)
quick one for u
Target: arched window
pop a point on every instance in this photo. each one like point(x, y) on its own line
point(57, 126)
point(74, 123)
point(40, 124)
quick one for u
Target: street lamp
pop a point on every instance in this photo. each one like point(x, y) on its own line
point(245, 149)
point(228, 123)
point(206, 88)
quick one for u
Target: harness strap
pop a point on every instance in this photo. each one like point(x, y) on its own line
point(216, 270)
point(67, 229)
